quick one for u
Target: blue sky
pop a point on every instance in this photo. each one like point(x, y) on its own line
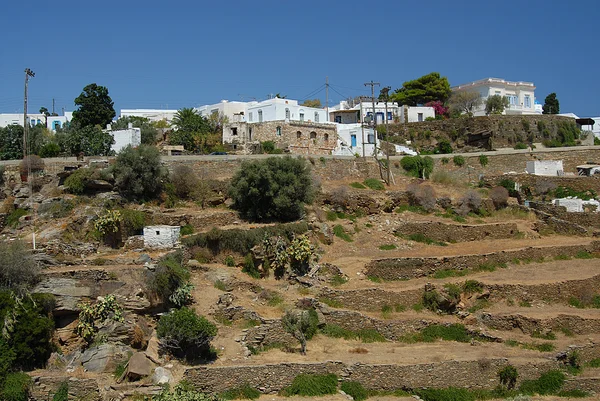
point(188, 53)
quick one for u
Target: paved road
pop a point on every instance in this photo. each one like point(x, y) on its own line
point(503, 151)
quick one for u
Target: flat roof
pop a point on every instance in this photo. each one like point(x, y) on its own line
point(588, 166)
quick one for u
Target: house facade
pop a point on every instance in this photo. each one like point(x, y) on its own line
point(284, 110)
point(151, 114)
point(54, 122)
point(521, 95)
point(545, 167)
point(342, 113)
point(125, 137)
point(234, 111)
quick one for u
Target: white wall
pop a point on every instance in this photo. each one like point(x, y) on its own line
point(161, 236)
point(275, 110)
point(125, 137)
point(346, 132)
point(545, 167)
point(413, 114)
point(225, 107)
point(35, 118)
point(516, 91)
point(150, 114)
point(572, 204)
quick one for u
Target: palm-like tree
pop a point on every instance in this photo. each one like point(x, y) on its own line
point(187, 119)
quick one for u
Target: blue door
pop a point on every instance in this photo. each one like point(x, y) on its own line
point(353, 141)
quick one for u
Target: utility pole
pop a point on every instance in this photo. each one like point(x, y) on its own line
point(362, 127)
point(28, 73)
point(385, 92)
point(53, 106)
point(372, 84)
point(327, 96)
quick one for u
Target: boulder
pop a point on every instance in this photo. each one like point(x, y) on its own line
point(103, 358)
point(153, 348)
point(162, 376)
point(139, 366)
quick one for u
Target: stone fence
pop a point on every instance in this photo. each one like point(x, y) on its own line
point(530, 325)
point(481, 374)
point(407, 268)
point(458, 233)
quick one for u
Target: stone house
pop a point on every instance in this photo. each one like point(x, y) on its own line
point(161, 236)
point(298, 137)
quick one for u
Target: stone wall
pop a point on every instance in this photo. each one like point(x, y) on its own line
point(407, 268)
point(205, 222)
point(371, 299)
point(580, 184)
point(584, 219)
point(457, 232)
point(506, 130)
point(530, 325)
point(44, 388)
point(481, 374)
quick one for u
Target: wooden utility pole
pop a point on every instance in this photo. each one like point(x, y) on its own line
point(385, 92)
point(28, 73)
point(327, 97)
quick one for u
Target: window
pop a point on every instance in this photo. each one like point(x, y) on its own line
point(298, 135)
point(497, 93)
point(527, 101)
point(249, 134)
point(301, 116)
point(353, 140)
point(250, 116)
point(278, 131)
point(316, 116)
point(158, 233)
point(338, 119)
point(313, 135)
point(326, 137)
point(260, 118)
point(371, 138)
point(389, 116)
point(287, 113)
point(420, 117)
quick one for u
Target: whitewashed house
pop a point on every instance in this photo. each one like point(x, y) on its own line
point(151, 114)
point(125, 137)
point(521, 95)
point(344, 113)
point(54, 122)
point(234, 111)
point(161, 236)
point(277, 109)
point(545, 167)
point(573, 205)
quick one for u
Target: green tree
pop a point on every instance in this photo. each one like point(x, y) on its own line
point(417, 166)
point(496, 104)
point(428, 88)
point(11, 142)
point(148, 130)
point(188, 120)
point(464, 102)
point(272, 189)
point(95, 107)
point(185, 334)
point(90, 140)
point(551, 105)
point(139, 173)
point(301, 324)
point(312, 103)
point(46, 114)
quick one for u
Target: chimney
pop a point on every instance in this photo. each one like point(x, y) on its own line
point(108, 127)
point(129, 125)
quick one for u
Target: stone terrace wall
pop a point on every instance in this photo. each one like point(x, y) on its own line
point(407, 268)
point(44, 387)
point(372, 299)
point(529, 325)
point(580, 184)
point(458, 233)
point(584, 219)
point(273, 378)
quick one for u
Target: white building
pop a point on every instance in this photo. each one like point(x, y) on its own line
point(161, 236)
point(124, 137)
point(342, 113)
point(283, 110)
point(351, 138)
point(521, 95)
point(234, 111)
point(150, 114)
point(545, 167)
point(34, 119)
point(574, 205)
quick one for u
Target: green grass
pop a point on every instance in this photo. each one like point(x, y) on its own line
point(374, 183)
point(525, 304)
point(357, 185)
point(119, 370)
point(567, 332)
point(418, 307)
point(472, 287)
point(339, 232)
point(548, 383)
point(584, 255)
point(334, 303)
point(244, 392)
point(544, 336)
point(387, 247)
point(312, 385)
point(576, 303)
point(355, 390)
point(594, 363)
point(331, 215)
point(541, 347)
point(562, 257)
point(187, 230)
point(375, 279)
point(13, 218)
point(219, 285)
point(337, 280)
point(479, 305)
point(275, 299)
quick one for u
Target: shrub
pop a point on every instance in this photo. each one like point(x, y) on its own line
point(458, 161)
point(355, 390)
point(272, 189)
point(444, 147)
point(374, 183)
point(339, 197)
point(132, 221)
point(312, 385)
point(548, 383)
point(422, 195)
point(249, 267)
point(187, 229)
point(520, 146)
point(62, 394)
point(244, 392)
point(16, 387)
point(445, 160)
point(499, 196)
point(169, 275)
point(302, 324)
point(12, 220)
point(101, 311)
point(417, 166)
point(37, 164)
point(50, 149)
point(470, 202)
point(508, 376)
point(184, 180)
point(357, 185)
point(229, 261)
point(446, 394)
point(186, 335)
point(76, 182)
point(18, 270)
point(56, 209)
point(268, 146)
point(183, 392)
point(483, 160)
point(138, 172)
point(339, 232)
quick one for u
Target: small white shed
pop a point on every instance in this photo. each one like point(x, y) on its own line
point(124, 137)
point(161, 236)
point(545, 167)
point(572, 204)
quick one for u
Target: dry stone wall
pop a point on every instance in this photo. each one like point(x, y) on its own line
point(44, 387)
point(371, 299)
point(529, 325)
point(458, 233)
point(273, 378)
point(407, 268)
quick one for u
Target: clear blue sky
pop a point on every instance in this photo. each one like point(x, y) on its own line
point(188, 53)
